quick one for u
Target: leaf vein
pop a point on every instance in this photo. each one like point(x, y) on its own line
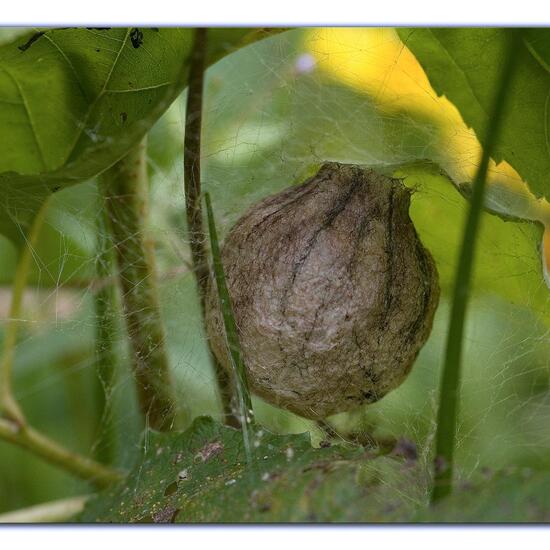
point(99, 96)
point(28, 113)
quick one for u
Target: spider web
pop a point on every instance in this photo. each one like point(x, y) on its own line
point(273, 112)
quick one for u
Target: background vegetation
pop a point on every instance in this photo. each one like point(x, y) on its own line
point(274, 110)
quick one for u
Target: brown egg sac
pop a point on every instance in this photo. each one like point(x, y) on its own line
point(332, 291)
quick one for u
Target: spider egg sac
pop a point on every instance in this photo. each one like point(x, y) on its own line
point(332, 291)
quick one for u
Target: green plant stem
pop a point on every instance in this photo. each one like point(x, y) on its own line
point(231, 333)
point(450, 381)
point(57, 511)
point(8, 405)
point(192, 190)
point(81, 466)
point(105, 301)
point(125, 189)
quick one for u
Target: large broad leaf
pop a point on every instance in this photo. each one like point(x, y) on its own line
point(464, 65)
point(201, 476)
point(73, 101)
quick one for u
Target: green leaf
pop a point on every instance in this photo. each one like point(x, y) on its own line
point(73, 101)
point(463, 64)
point(201, 476)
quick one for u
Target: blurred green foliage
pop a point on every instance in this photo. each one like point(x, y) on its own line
point(270, 119)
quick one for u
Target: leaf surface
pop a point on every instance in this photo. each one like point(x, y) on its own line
point(201, 476)
point(464, 65)
point(73, 101)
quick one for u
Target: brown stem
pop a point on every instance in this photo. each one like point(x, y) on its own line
point(124, 188)
point(192, 190)
point(192, 161)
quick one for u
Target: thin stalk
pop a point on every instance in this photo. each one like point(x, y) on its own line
point(231, 333)
point(192, 160)
point(192, 190)
point(328, 430)
point(57, 511)
point(28, 438)
point(8, 405)
point(450, 381)
point(125, 189)
point(105, 300)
